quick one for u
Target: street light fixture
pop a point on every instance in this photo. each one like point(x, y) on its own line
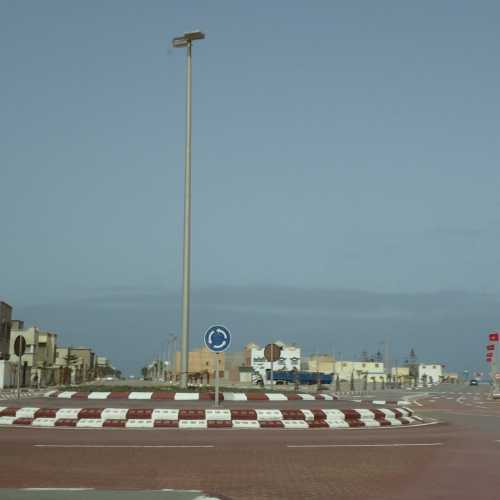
point(180, 42)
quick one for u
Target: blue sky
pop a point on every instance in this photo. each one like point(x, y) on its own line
point(336, 146)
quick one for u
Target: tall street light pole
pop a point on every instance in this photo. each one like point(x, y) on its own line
point(180, 42)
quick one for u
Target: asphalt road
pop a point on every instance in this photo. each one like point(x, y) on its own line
point(134, 403)
point(456, 459)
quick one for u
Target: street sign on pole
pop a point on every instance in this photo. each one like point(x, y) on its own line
point(217, 339)
point(19, 349)
point(19, 345)
point(272, 353)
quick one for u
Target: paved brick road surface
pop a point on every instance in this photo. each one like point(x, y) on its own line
point(456, 460)
point(245, 465)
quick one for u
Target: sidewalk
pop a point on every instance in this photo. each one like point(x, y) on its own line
point(25, 393)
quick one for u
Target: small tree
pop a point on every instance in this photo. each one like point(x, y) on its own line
point(70, 360)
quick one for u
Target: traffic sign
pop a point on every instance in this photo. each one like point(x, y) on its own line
point(272, 352)
point(218, 338)
point(19, 345)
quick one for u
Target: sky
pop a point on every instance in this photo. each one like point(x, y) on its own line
point(345, 173)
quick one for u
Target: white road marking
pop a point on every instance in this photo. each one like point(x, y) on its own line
point(184, 491)
point(124, 446)
point(418, 404)
point(56, 489)
point(390, 445)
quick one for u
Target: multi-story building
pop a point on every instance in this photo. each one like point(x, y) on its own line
point(6, 368)
point(289, 359)
point(400, 374)
point(322, 363)
point(430, 373)
point(40, 354)
point(372, 370)
point(233, 361)
point(85, 362)
point(5, 328)
point(76, 364)
point(202, 362)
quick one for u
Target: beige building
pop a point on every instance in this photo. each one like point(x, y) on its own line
point(75, 364)
point(373, 370)
point(40, 354)
point(322, 363)
point(400, 374)
point(102, 362)
point(202, 361)
point(5, 327)
point(233, 361)
point(85, 361)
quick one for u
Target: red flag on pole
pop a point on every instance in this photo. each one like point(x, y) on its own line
point(490, 347)
point(494, 337)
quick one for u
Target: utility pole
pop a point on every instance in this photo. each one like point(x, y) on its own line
point(186, 41)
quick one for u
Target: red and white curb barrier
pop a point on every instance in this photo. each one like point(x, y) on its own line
point(216, 418)
point(191, 396)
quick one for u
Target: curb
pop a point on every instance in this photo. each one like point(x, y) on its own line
point(191, 396)
point(401, 402)
point(134, 418)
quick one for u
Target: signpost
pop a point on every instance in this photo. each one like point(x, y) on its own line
point(272, 353)
point(491, 357)
point(19, 349)
point(217, 339)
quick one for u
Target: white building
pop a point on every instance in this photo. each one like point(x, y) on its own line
point(290, 359)
point(430, 373)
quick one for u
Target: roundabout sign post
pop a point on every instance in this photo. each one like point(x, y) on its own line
point(217, 339)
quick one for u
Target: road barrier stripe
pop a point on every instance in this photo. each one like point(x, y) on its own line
point(191, 396)
point(212, 418)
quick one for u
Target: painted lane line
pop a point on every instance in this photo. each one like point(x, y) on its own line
point(121, 446)
point(178, 491)
point(56, 489)
point(393, 445)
